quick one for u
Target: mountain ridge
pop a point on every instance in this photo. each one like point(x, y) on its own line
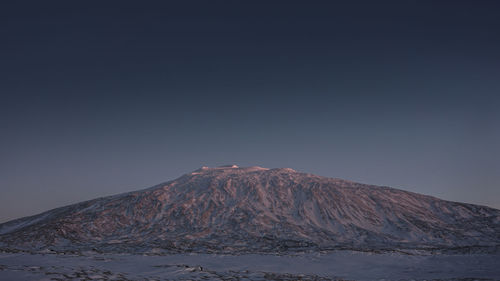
point(254, 209)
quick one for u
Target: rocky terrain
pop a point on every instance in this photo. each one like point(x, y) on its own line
point(254, 210)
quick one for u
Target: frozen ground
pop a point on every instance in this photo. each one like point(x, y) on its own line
point(343, 265)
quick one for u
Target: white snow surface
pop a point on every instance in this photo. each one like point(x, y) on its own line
point(342, 265)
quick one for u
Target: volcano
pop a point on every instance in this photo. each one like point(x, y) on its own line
point(255, 209)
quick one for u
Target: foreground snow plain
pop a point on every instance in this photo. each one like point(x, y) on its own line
point(341, 265)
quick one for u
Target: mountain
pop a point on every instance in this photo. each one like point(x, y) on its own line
point(254, 209)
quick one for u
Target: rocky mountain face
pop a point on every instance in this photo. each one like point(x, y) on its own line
point(254, 209)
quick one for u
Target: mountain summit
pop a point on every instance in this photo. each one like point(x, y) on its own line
point(255, 209)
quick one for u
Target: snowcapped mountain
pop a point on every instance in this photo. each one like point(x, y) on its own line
point(254, 209)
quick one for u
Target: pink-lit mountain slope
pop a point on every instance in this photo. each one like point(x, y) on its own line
point(253, 209)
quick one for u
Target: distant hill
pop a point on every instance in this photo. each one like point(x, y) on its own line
point(254, 209)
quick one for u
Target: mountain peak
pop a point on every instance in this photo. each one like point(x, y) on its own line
point(228, 168)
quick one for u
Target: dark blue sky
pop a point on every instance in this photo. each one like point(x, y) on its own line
point(102, 97)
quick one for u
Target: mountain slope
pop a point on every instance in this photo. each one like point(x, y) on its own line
point(256, 209)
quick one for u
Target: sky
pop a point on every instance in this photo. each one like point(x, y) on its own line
point(103, 97)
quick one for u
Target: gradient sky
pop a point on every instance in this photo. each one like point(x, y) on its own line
point(102, 97)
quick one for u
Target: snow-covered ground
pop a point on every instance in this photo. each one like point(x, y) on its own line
point(342, 265)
